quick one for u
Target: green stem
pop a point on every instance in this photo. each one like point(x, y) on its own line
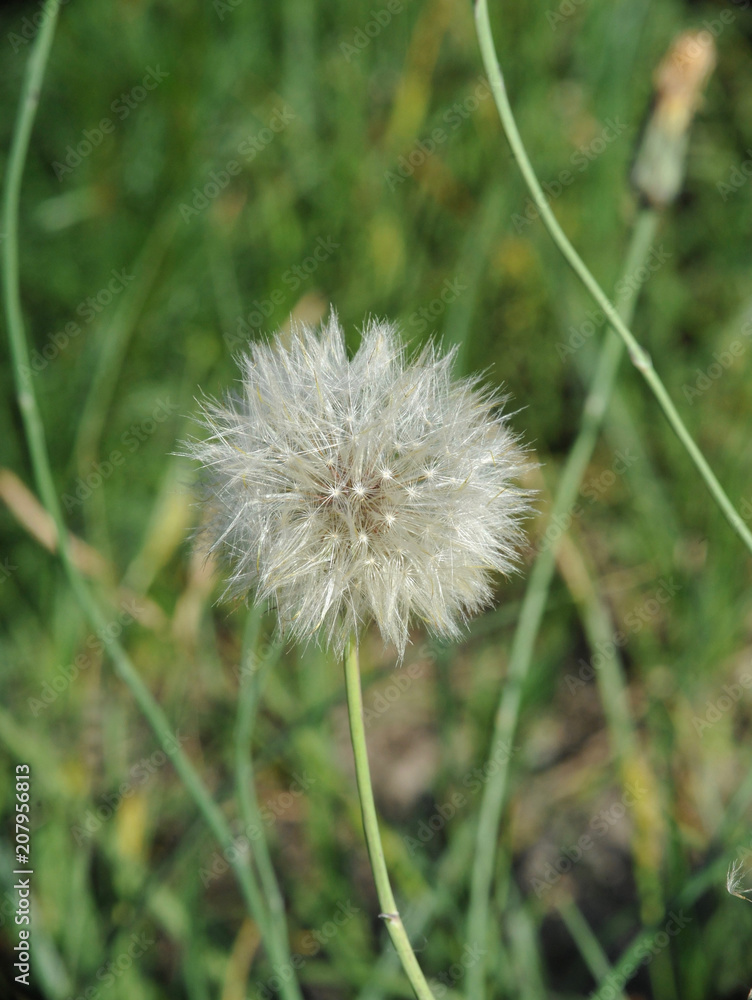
point(534, 604)
point(389, 913)
point(250, 693)
point(639, 357)
point(34, 429)
point(587, 943)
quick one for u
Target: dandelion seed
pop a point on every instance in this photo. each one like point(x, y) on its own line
point(349, 491)
point(735, 880)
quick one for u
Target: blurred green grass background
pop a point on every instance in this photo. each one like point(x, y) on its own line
point(336, 199)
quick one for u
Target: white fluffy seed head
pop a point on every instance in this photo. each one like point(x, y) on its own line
point(377, 488)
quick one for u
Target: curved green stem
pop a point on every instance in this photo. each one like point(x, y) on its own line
point(253, 674)
point(389, 913)
point(639, 357)
point(534, 603)
point(34, 429)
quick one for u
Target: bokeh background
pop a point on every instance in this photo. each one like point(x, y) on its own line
point(201, 172)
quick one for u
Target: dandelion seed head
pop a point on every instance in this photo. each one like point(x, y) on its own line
point(378, 488)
